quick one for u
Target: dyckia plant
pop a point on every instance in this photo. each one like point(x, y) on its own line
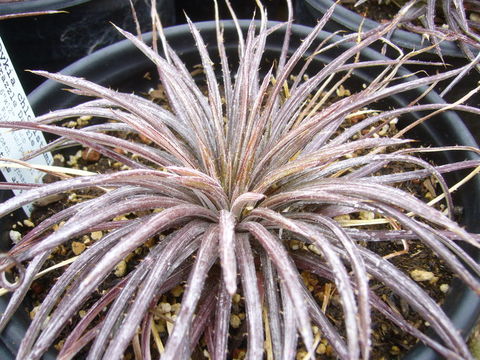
point(235, 170)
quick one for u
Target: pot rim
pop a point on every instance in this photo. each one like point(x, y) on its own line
point(467, 303)
point(38, 5)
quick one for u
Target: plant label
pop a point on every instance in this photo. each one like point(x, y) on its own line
point(14, 106)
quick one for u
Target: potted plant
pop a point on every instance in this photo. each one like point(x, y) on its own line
point(228, 216)
point(346, 19)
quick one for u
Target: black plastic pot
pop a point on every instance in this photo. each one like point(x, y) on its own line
point(344, 19)
point(123, 67)
point(51, 42)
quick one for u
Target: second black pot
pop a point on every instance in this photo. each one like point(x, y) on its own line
point(308, 11)
point(51, 42)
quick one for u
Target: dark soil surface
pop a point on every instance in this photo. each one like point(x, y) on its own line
point(373, 9)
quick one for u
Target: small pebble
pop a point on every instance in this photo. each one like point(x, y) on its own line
point(294, 245)
point(475, 17)
point(314, 249)
point(356, 118)
point(33, 312)
point(90, 155)
point(395, 350)
point(73, 158)
point(301, 354)
point(236, 298)
point(119, 151)
point(15, 236)
point(28, 223)
point(421, 275)
point(84, 120)
point(366, 215)
point(321, 349)
point(176, 307)
point(341, 91)
point(342, 217)
point(121, 268)
point(96, 235)
point(444, 288)
point(78, 247)
point(70, 124)
point(58, 346)
point(235, 321)
point(59, 158)
point(164, 307)
point(86, 240)
point(145, 139)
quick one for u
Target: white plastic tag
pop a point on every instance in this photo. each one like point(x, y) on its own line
point(14, 106)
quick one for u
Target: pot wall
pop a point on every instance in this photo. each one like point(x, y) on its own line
point(51, 42)
point(16, 7)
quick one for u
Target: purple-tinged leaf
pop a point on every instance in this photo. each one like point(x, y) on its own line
point(74, 227)
point(253, 302)
point(320, 157)
point(290, 337)
point(204, 311)
point(361, 281)
point(245, 199)
point(287, 272)
point(76, 269)
point(221, 324)
point(154, 225)
point(166, 137)
point(226, 247)
point(163, 261)
point(70, 345)
point(145, 336)
point(417, 298)
point(178, 341)
point(17, 297)
point(272, 302)
point(314, 264)
point(394, 197)
point(341, 276)
point(81, 137)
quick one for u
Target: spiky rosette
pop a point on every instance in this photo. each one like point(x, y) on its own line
point(232, 174)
